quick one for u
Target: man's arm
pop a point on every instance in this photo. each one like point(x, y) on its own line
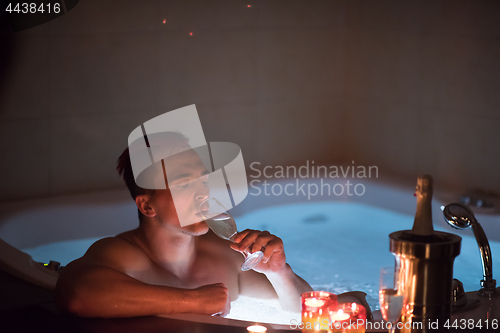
point(96, 285)
point(287, 285)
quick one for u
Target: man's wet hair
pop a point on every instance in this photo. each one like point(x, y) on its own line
point(124, 164)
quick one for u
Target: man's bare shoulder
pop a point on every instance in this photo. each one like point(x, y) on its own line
point(117, 252)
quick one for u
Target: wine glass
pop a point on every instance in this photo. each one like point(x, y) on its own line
point(390, 296)
point(223, 225)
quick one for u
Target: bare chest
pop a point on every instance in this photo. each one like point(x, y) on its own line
point(205, 270)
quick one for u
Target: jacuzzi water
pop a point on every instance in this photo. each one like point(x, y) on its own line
point(334, 246)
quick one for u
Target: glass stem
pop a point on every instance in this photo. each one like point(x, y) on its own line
point(245, 253)
point(393, 327)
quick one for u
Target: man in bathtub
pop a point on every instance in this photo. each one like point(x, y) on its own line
point(163, 268)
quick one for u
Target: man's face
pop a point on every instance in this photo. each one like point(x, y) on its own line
point(188, 184)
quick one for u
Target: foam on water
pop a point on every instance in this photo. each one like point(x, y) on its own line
point(262, 311)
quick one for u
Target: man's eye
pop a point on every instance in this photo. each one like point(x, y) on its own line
point(183, 186)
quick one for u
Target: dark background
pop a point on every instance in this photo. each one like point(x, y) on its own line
point(412, 87)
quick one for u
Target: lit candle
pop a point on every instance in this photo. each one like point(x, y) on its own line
point(348, 318)
point(339, 316)
point(314, 302)
point(316, 306)
point(256, 329)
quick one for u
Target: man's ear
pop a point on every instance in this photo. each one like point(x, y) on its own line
point(142, 202)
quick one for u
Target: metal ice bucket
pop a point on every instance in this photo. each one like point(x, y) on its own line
point(426, 268)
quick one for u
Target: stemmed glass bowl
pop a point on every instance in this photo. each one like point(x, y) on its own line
point(391, 297)
point(223, 225)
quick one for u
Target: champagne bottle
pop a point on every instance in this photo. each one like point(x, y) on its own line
point(422, 225)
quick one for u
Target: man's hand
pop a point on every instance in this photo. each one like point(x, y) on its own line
point(274, 259)
point(213, 299)
point(287, 285)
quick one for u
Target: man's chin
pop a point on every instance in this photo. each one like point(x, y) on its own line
point(196, 229)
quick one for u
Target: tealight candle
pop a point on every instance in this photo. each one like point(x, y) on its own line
point(348, 317)
point(256, 329)
point(316, 306)
point(339, 315)
point(314, 302)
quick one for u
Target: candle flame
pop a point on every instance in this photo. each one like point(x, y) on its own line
point(314, 302)
point(256, 329)
point(340, 316)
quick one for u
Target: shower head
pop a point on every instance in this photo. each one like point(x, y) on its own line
point(459, 216)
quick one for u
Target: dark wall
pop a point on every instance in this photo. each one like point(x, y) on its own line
point(410, 87)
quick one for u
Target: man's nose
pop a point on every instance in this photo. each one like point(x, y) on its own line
point(203, 192)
